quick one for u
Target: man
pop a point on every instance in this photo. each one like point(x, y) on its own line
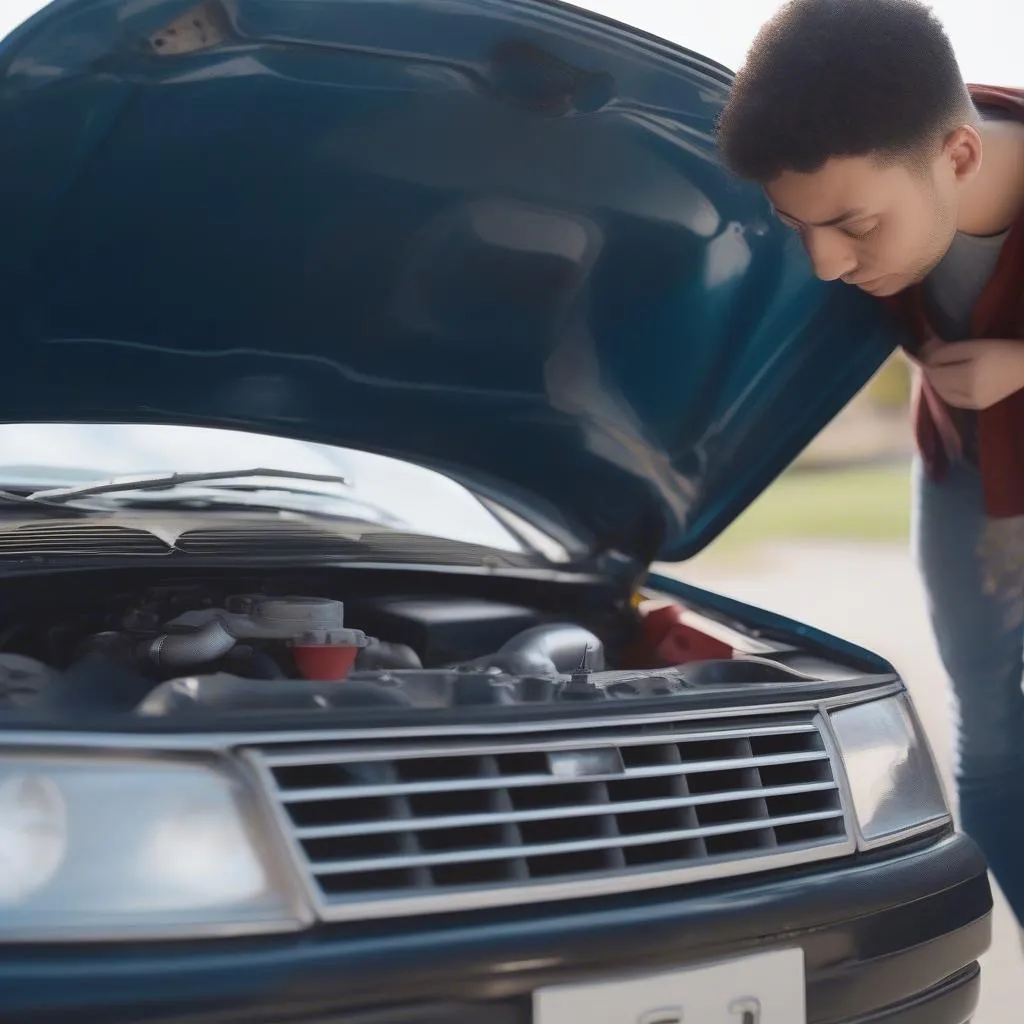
point(906, 183)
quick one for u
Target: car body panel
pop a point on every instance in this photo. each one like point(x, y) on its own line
point(875, 935)
point(488, 236)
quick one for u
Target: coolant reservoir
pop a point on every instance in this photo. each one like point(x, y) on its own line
point(314, 627)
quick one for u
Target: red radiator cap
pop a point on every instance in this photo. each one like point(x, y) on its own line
point(324, 662)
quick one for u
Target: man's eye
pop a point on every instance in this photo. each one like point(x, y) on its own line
point(861, 231)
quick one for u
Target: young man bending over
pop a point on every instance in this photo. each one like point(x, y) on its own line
point(908, 184)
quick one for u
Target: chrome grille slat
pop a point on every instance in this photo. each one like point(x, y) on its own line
point(321, 754)
point(342, 867)
point(514, 817)
point(410, 826)
point(516, 782)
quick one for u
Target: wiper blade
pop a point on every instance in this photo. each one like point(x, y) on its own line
point(62, 495)
point(236, 499)
point(31, 504)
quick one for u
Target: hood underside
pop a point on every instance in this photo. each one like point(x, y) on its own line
point(489, 236)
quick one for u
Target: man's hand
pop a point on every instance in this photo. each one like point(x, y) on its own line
point(974, 374)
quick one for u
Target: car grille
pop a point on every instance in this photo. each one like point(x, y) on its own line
point(63, 538)
point(398, 828)
point(305, 540)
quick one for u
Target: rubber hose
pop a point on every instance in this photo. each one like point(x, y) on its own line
point(558, 648)
point(200, 647)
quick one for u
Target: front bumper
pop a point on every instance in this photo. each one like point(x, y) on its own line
point(892, 939)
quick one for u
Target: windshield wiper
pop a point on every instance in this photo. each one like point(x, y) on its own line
point(9, 500)
point(302, 502)
point(62, 495)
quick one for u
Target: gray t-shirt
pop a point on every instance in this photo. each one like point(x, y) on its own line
point(951, 292)
point(953, 288)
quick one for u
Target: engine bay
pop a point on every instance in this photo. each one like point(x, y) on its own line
point(159, 648)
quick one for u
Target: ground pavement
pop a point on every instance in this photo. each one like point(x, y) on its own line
point(869, 595)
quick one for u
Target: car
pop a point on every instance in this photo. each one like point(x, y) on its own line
point(363, 360)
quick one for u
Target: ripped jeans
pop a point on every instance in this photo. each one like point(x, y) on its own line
point(981, 642)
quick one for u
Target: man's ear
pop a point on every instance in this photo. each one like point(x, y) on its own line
point(963, 150)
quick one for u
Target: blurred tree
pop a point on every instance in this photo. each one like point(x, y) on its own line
point(889, 389)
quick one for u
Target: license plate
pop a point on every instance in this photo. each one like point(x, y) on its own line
point(766, 988)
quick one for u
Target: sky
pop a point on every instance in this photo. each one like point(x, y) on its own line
point(985, 33)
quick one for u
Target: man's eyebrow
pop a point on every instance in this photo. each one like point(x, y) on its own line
point(831, 223)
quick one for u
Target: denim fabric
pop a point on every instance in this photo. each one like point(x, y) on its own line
point(980, 638)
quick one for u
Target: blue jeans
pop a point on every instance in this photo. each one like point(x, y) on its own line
point(981, 643)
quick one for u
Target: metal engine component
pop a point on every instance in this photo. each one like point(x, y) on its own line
point(204, 635)
point(555, 649)
point(23, 680)
point(381, 655)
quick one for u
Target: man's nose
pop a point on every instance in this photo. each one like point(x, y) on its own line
point(831, 255)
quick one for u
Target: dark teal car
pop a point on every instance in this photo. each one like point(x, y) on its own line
point(388, 722)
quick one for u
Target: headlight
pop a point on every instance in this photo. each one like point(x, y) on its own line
point(892, 777)
point(95, 848)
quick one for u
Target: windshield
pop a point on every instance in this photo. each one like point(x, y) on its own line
point(381, 490)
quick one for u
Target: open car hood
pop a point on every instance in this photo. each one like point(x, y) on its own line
point(489, 236)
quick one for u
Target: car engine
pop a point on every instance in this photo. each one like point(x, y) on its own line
point(175, 649)
point(191, 647)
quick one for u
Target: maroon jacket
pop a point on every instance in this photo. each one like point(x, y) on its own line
point(999, 314)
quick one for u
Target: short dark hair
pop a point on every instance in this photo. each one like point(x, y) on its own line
point(833, 78)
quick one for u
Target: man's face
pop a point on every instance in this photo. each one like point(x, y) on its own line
point(880, 226)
